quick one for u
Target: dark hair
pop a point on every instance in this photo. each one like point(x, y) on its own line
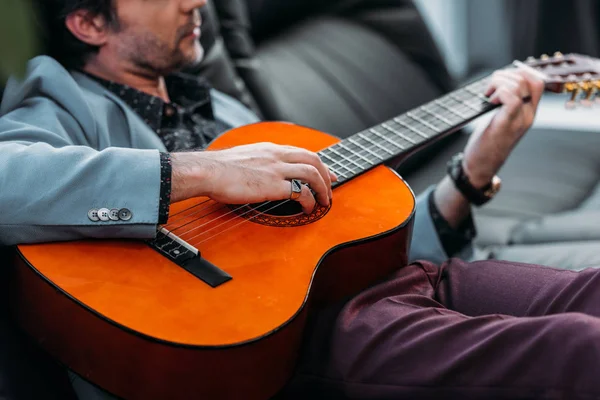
point(57, 40)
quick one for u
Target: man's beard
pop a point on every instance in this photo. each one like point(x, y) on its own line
point(158, 58)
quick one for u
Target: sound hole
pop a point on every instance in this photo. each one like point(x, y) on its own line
point(283, 208)
point(279, 213)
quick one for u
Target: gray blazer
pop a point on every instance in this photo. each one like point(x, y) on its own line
point(68, 145)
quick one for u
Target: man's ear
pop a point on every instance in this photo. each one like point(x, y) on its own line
point(92, 30)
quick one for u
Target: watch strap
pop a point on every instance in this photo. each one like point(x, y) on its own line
point(474, 195)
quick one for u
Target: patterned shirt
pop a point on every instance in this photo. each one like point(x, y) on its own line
point(186, 123)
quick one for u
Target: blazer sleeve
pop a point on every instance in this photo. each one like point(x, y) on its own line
point(50, 181)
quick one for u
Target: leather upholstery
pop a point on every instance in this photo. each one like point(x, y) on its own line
point(339, 67)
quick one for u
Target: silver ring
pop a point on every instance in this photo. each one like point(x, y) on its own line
point(296, 189)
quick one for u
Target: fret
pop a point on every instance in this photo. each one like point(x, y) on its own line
point(446, 119)
point(467, 98)
point(448, 108)
point(481, 84)
point(477, 87)
point(466, 103)
point(365, 147)
point(420, 133)
point(435, 123)
point(365, 137)
point(362, 167)
point(374, 131)
point(382, 130)
point(459, 107)
point(407, 135)
point(335, 162)
point(399, 133)
point(356, 153)
point(476, 93)
point(339, 173)
point(422, 121)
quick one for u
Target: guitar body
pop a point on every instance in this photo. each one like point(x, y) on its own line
point(133, 322)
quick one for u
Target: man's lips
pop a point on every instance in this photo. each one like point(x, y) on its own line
point(192, 32)
point(195, 33)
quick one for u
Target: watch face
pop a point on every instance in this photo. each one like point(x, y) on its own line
point(494, 187)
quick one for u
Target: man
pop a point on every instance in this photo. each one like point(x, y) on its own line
point(107, 132)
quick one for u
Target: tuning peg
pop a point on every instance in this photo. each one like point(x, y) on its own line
point(596, 85)
point(544, 57)
point(558, 54)
point(530, 59)
point(587, 87)
point(574, 89)
point(587, 100)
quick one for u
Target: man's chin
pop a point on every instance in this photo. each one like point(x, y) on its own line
point(198, 56)
point(193, 57)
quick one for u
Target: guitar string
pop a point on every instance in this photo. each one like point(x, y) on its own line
point(352, 157)
point(234, 211)
point(185, 217)
point(219, 208)
point(356, 155)
point(243, 220)
point(187, 209)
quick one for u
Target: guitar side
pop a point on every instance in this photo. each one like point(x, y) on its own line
point(144, 329)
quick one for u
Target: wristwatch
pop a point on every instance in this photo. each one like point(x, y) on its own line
point(474, 195)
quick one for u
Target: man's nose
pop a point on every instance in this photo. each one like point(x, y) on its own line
point(189, 5)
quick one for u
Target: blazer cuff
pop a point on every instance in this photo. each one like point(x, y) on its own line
point(426, 244)
point(76, 192)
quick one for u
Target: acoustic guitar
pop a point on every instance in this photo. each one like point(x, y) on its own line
point(215, 306)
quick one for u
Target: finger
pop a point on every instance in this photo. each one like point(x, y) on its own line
point(531, 85)
point(511, 103)
point(535, 85)
point(333, 176)
point(513, 82)
point(526, 91)
point(307, 200)
point(309, 174)
point(302, 156)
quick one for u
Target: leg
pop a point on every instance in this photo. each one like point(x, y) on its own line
point(396, 341)
point(500, 287)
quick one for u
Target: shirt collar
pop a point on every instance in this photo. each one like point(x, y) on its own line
point(189, 95)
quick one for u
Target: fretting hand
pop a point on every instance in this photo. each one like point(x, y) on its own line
point(489, 147)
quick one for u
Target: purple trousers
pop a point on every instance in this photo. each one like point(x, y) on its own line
point(482, 330)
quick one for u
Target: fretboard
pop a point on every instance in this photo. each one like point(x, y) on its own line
point(407, 132)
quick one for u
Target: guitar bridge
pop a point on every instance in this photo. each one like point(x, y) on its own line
point(188, 257)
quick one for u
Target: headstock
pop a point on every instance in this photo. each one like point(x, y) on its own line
point(576, 74)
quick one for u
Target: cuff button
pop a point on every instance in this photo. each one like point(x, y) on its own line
point(104, 214)
point(93, 215)
point(114, 214)
point(125, 214)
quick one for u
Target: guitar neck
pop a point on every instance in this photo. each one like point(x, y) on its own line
point(406, 133)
